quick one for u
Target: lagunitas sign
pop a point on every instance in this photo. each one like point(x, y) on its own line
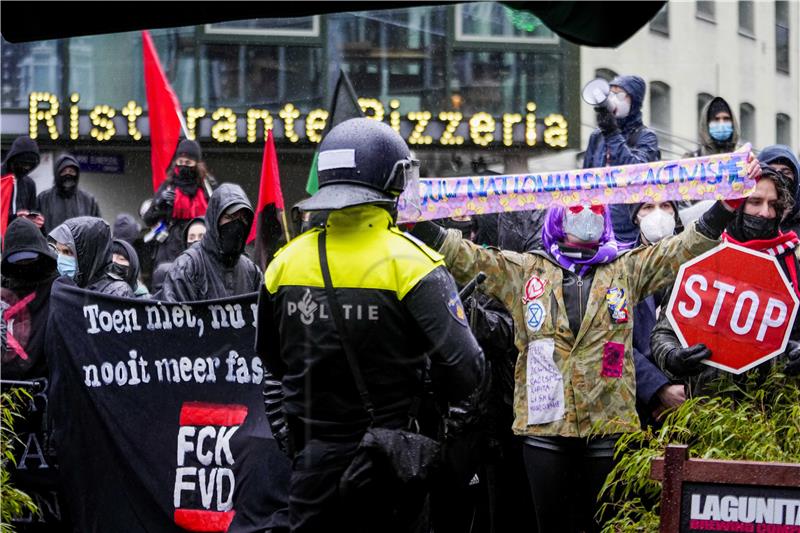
point(736, 301)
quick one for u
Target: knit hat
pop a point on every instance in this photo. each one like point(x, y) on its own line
point(189, 148)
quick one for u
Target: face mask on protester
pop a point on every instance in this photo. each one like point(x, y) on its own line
point(720, 130)
point(622, 107)
point(185, 175)
point(583, 223)
point(232, 236)
point(67, 265)
point(754, 228)
point(657, 225)
point(118, 271)
point(67, 183)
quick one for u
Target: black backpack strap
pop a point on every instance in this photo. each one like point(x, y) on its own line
point(336, 313)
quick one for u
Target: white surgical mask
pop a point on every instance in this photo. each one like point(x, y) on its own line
point(622, 106)
point(585, 226)
point(657, 225)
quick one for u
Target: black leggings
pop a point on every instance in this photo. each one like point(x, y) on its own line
point(566, 475)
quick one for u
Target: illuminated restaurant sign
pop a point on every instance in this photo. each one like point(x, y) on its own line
point(51, 117)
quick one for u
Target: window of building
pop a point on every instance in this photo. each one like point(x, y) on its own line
point(28, 67)
point(497, 82)
point(660, 23)
point(783, 129)
point(660, 106)
point(782, 36)
point(747, 116)
point(278, 27)
point(393, 54)
point(702, 100)
point(495, 22)
point(706, 10)
point(245, 75)
point(746, 24)
point(605, 73)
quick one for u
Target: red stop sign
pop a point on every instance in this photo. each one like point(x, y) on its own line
point(737, 302)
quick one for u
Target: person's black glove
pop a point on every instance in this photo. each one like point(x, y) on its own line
point(430, 233)
point(167, 197)
point(273, 408)
point(606, 120)
point(468, 413)
point(792, 355)
point(687, 361)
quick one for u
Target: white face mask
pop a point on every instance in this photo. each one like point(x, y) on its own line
point(657, 225)
point(585, 226)
point(622, 106)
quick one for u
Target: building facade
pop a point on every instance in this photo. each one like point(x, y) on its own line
point(469, 86)
point(746, 52)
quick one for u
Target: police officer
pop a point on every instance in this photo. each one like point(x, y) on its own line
point(395, 301)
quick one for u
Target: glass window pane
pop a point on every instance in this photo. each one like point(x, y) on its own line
point(705, 9)
point(397, 54)
point(747, 113)
point(299, 26)
point(783, 129)
point(28, 67)
point(746, 16)
point(494, 21)
point(498, 82)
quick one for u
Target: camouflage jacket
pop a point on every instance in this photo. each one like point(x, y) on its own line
point(565, 385)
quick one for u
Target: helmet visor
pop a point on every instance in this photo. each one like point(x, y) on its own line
point(404, 172)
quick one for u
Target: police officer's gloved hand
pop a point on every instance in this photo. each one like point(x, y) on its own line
point(606, 120)
point(687, 361)
point(431, 234)
point(792, 355)
point(467, 414)
point(273, 407)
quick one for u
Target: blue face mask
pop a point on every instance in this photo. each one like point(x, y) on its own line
point(720, 131)
point(67, 266)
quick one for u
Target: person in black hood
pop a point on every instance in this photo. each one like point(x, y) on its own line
point(28, 270)
point(215, 267)
point(65, 200)
point(84, 255)
point(125, 267)
point(781, 159)
point(20, 161)
point(183, 196)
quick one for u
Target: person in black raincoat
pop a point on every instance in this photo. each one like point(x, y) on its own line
point(65, 200)
point(216, 267)
point(622, 139)
point(84, 255)
point(20, 161)
point(28, 270)
point(125, 267)
point(183, 196)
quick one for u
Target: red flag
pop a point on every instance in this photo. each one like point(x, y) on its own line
point(6, 192)
point(164, 112)
point(269, 225)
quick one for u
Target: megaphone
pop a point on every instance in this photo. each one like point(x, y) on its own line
point(596, 93)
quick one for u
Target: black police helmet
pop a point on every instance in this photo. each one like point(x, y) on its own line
point(361, 161)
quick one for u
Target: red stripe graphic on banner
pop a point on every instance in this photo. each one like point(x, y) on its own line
point(212, 414)
point(194, 520)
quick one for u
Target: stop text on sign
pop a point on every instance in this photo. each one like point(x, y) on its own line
point(747, 311)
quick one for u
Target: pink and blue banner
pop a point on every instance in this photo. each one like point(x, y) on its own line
point(713, 177)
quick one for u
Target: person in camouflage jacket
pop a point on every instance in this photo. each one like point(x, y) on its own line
point(572, 306)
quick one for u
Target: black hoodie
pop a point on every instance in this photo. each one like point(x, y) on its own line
point(89, 238)
point(57, 206)
point(200, 273)
point(24, 196)
point(29, 297)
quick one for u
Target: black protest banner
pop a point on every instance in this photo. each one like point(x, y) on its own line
point(158, 415)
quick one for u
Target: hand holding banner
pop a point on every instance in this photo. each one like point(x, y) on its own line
point(714, 177)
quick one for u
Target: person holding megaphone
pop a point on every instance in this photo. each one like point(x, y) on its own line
point(620, 138)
